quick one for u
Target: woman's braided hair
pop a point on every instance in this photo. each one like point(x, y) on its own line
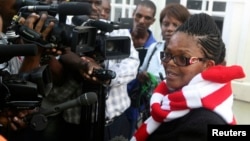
point(204, 29)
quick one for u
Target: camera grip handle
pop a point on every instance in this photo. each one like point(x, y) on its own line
point(103, 74)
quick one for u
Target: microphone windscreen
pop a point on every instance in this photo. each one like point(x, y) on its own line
point(78, 20)
point(18, 50)
point(21, 3)
point(74, 8)
point(88, 98)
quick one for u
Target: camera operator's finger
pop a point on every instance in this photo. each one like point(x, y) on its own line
point(1, 23)
point(12, 125)
point(47, 30)
point(92, 64)
point(31, 19)
point(54, 51)
point(40, 23)
point(21, 20)
point(17, 123)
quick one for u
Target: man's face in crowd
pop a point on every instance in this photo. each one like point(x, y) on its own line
point(143, 17)
point(96, 8)
point(105, 13)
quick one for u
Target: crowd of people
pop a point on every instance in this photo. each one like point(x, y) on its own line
point(183, 67)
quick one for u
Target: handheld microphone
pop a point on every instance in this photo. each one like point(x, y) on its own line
point(38, 121)
point(64, 8)
point(83, 100)
point(9, 51)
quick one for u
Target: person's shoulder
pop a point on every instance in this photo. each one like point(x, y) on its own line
point(192, 126)
point(204, 116)
point(158, 44)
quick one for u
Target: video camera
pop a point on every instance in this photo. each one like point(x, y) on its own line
point(23, 90)
point(98, 41)
point(62, 34)
point(83, 39)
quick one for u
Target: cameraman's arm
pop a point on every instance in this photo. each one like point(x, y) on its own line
point(36, 22)
point(31, 62)
point(85, 65)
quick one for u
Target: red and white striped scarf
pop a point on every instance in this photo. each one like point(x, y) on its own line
point(210, 89)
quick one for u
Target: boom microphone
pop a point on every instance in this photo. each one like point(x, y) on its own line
point(9, 51)
point(18, 50)
point(21, 3)
point(79, 19)
point(64, 8)
point(83, 100)
point(101, 25)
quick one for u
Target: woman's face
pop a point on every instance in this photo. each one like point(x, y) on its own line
point(182, 44)
point(168, 27)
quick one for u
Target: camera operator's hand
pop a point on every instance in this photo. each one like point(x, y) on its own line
point(88, 73)
point(37, 22)
point(91, 65)
point(13, 119)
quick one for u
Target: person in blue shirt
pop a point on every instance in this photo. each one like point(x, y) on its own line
point(143, 18)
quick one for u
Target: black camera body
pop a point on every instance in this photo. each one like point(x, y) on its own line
point(83, 40)
point(113, 47)
point(25, 91)
point(103, 45)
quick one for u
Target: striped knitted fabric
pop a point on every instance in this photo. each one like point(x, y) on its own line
point(210, 89)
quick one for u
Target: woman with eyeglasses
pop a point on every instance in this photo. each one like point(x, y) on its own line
point(197, 91)
point(171, 17)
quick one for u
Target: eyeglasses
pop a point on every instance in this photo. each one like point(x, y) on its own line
point(179, 60)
